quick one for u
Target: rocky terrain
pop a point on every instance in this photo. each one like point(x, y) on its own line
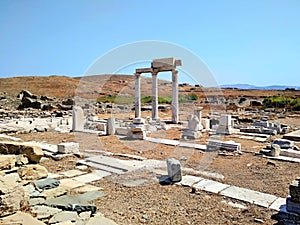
point(36, 118)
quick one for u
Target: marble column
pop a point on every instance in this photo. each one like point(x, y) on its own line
point(174, 96)
point(137, 95)
point(154, 96)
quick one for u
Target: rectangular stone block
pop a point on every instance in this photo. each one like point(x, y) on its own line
point(174, 169)
point(165, 62)
point(247, 195)
point(210, 186)
point(68, 147)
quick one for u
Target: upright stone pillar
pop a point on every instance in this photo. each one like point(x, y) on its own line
point(174, 96)
point(154, 96)
point(110, 126)
point(137, 95)
point(198, 113)
point(77, 119)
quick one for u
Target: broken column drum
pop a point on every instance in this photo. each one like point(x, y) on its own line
point(111, 126)
point(174, 170)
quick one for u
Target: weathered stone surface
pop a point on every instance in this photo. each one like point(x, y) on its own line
point(44, 212)
point(72, 173)
point(36, 201)
point(7, 161)
point(100, 220)
point(29, 102)
point(174, 169)
point(13, 197)
point(20, 218)
point(25, 93)
point(54, 192)
point(87, 188)
point(33, 153)
point(79, 203)
point(68, 147)
point(21, 160)
point(32, 172)
point(214, 145)
point(32, 191)
point(63, 217)
point(70, 183)
point(14, 177)
point(46, 183)
point(275, 150)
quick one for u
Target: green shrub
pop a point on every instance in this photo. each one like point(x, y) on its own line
point(296, 107)
point(192, 97)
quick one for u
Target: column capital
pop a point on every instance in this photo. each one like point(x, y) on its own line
point(137, 74)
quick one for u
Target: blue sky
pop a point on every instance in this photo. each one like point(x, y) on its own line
point(241, 41)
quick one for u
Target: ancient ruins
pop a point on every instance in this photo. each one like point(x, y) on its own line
point(64, 161)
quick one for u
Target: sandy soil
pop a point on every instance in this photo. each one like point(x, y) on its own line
point(152, 203)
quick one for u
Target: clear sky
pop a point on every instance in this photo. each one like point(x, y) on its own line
point(242, 41)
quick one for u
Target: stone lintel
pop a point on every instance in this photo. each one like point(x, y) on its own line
point(164, 69)
point(166, 62)
point(143, 70)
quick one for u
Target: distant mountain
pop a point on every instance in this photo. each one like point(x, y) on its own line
point(248, 86)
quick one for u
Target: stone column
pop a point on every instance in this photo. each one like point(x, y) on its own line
point(174, 96)
point(77, 119)
point(137, 95)
point(154, 96)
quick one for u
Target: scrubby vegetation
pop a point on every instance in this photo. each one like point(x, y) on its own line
point(120, 99)
point(282, 102)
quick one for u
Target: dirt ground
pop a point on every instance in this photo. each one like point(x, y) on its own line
point(152, 203)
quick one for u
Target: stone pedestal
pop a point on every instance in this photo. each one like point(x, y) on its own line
point(224, 124)
point(192, 131)
point(174, 170)
point(138, 132)
point(77, 118)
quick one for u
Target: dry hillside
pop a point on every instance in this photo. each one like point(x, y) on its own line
point(93, 86)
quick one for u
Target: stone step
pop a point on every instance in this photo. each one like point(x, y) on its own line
point(101, 167)
point(122, 165)
point(234, 192)
point(247, 195)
